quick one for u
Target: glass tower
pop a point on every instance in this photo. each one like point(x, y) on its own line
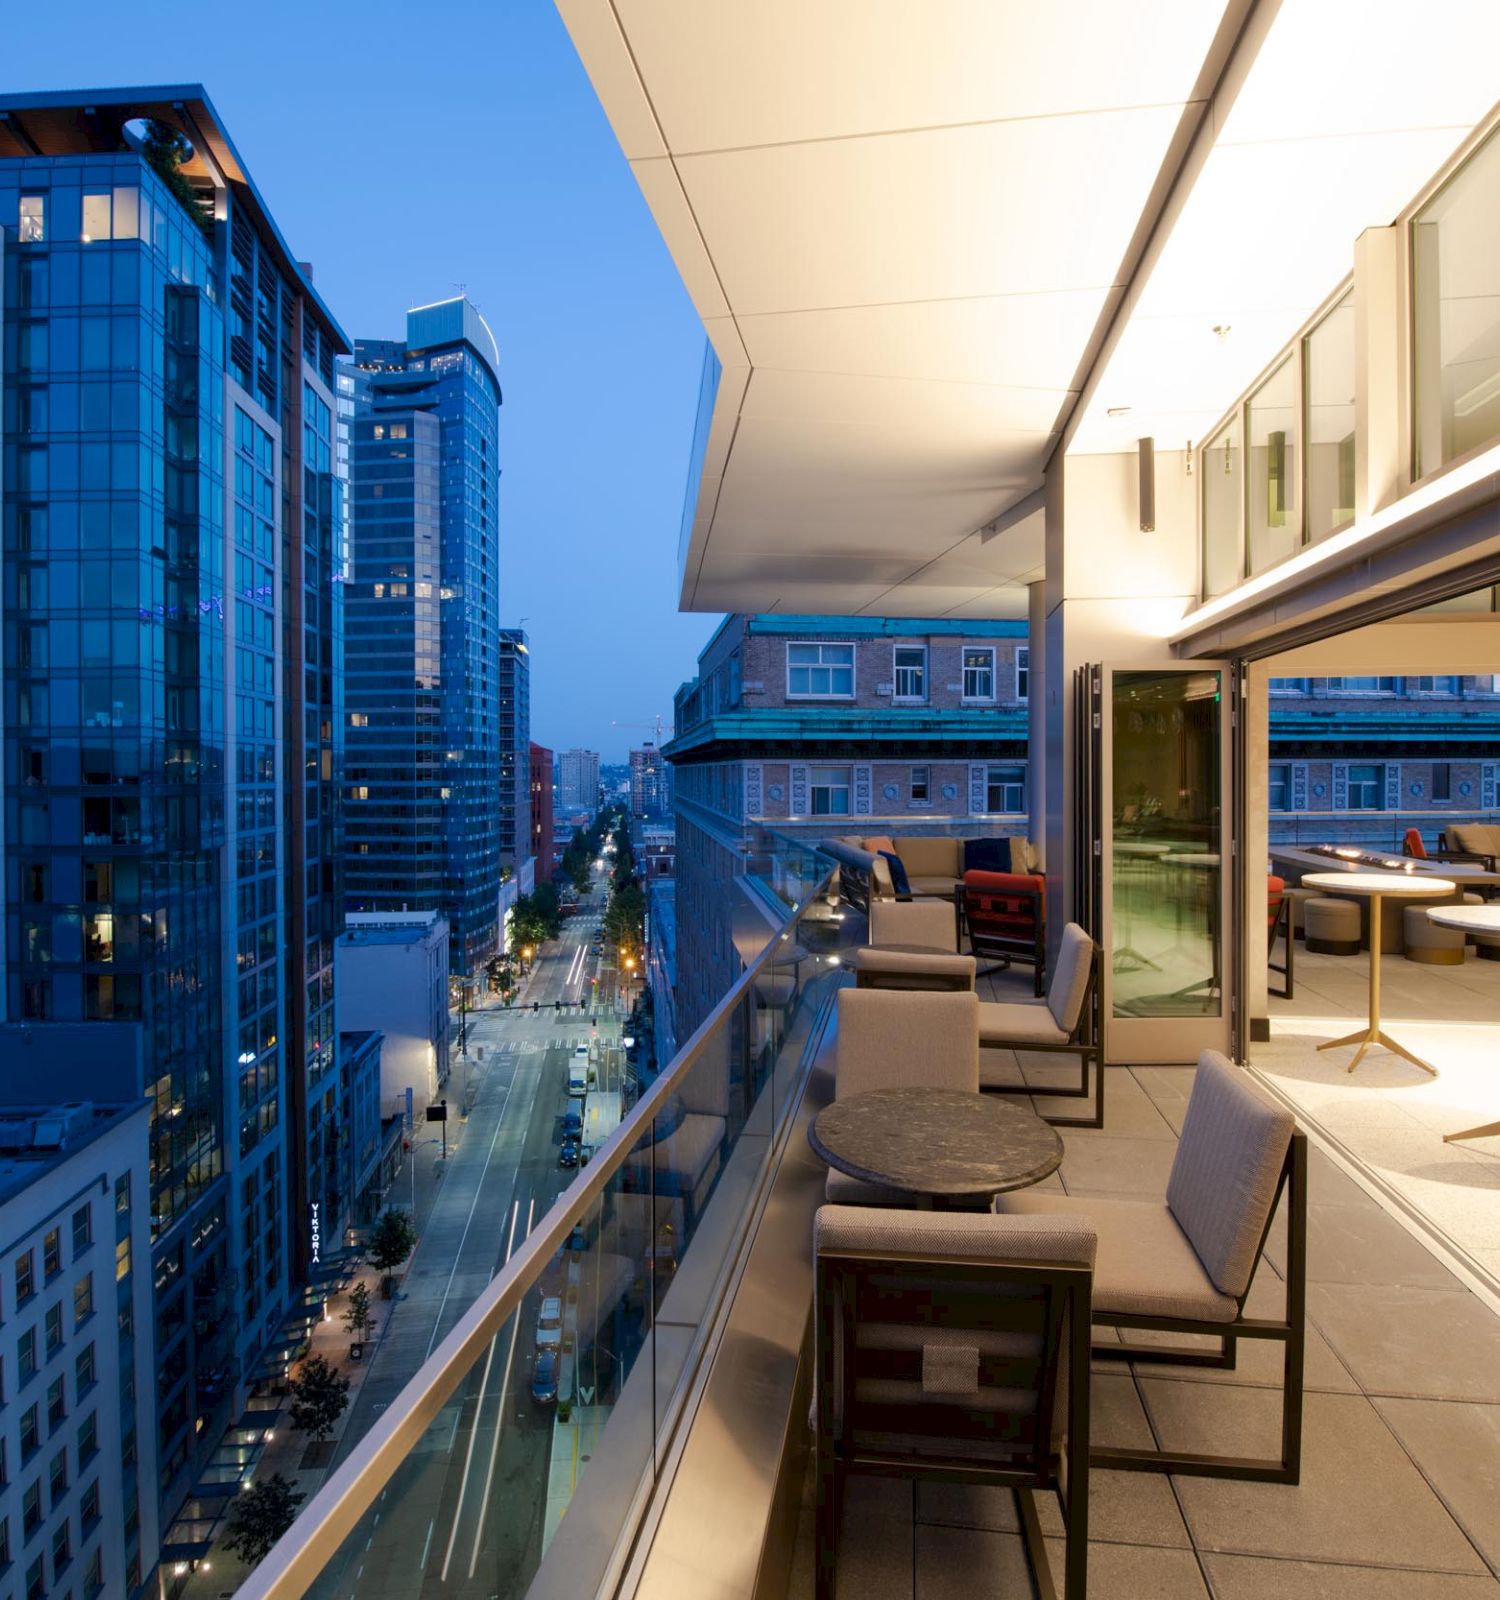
point(423, 650)
point(171, 618)
point(515, 741)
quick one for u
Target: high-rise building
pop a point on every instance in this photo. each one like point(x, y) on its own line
point(172, 614)
point(650, 783)
point(515, 743)
point(578, 780)
point(540, 811)
point(423, 654)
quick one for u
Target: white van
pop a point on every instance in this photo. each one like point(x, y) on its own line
point(578, 1071)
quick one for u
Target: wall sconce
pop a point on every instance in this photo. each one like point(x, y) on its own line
point(1146, 464)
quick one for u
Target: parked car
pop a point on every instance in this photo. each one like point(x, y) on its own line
point(544, 1378)
point(549, 1324)
point(572, 1123)
point(568, 1155)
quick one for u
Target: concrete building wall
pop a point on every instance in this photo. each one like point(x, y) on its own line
point(393, 978)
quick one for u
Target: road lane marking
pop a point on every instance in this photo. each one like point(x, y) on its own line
point(468, 1221)
point(489, 1477)
point(463, 1482)
point(426, 1543)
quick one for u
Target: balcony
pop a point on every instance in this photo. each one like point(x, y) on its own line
point(675, 1273)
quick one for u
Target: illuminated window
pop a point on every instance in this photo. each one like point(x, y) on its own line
point(979, 672)
point(33, 220)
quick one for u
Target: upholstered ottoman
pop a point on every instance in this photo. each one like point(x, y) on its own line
point(1427, 942)
point(1333, 927)
point(1298, 898)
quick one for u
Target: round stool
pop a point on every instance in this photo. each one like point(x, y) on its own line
point(1297, 899)
point(1487, 946)
point(1333, 926)
point(1427, 942)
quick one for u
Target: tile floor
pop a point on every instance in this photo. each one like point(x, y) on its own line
point(1400, 1491)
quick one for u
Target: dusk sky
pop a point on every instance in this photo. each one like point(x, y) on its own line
point(405, 151)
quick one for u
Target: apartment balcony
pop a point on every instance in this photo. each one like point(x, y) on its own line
point(674, 1458)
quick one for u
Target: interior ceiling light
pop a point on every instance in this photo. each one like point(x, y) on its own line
point(1117, 411)
point(1221, 331)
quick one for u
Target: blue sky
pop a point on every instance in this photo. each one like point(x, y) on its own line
point(408, 149)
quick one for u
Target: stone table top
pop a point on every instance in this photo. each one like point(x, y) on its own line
point(1472, 919)
point(936, 1141)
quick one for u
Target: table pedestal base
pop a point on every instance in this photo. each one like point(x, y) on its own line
point(1375, 1035)
point(1488, 1131)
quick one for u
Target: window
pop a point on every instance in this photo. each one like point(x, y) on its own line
point(1023, 672)
point(95, 217)
point(36, 1587)
point(57, 1477)
point(820, 671)
point(979, 672)
point(1272, 528)
point(1279, 786)
point(911, 671)
point(26, 1355)
point(57, 1403)
point(1362, 685)
point(122, 1194)
point(31, 1433)
point(84, 1371)
point(83, 1229)
point(54, 1329)
point(1442, 780)
point(1005, 789)
point(62, 1552)
point(52, 1253)
point(88, 1440)
point(829, 791)
point(88, 1504)
point(1366, 788)
point(25, 1278)
point(93, 1575)
point(1434, 685)
point(33, 220)
point(1328, 456)
point(1223, 566)
point(31, 1507)
point(122, 1259)
point(1290, 685)
point(1455, 283)
point(83, 1299)
point(921, 786)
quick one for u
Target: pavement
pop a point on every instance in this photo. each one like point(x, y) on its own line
point(467, 1507)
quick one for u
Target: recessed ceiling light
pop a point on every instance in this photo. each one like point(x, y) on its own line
point(1117, 411)
point(1221, 331)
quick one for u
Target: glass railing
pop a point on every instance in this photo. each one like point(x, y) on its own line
point(1373, 830)
point(520, 1457)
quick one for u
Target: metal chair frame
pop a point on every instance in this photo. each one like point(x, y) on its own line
point(839, 1275)
point(1003, 950)
point(1282, 922)
point(1086, 1043)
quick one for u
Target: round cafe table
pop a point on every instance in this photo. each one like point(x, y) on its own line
point(1468, 919)
point(944, 1143)
point(1375, 886)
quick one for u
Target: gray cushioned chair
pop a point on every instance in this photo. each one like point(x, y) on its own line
point(905, 969)
point(954, 1347)
point(900, 1041)
point(932, 924)
point(1062, 1022)
point(1185, 1264)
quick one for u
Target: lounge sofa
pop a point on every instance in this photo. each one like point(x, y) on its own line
point(1475, 838)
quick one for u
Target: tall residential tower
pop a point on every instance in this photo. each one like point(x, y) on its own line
point(423, 651)
point(514, 802)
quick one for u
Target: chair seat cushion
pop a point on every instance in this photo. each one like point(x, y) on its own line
point(1018, 1022)
point(1145, 1265)
point(931, 884)
point(843, 1190)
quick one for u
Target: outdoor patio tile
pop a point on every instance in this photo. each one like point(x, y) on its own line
point(1264, 1578)
point(1117, 1166)
point(875, 1542)
point(1141, 1573)
point(1128, 1113)
point(1360, 1498)
point(1165, 1083)
point(1361, 1244)
point(1428, 1343)
point(1124, 1507)
point(1457, 1448)
point(960, 1563)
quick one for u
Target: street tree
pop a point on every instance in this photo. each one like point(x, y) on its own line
point(260, 1516)
point(319, 1395)
point(357, 1317)
point(392, 1240)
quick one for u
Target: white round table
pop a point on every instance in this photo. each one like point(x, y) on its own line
point(1469, 919)
point(1375, 886)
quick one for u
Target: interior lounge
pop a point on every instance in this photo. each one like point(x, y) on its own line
point(1117, 1214)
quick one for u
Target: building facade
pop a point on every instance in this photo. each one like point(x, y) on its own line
point(543, 846)
point(515, 743)
point(423, 761)
point(80, 1439)
point(650, 783)
point(578, 780)
point(393, 981)
point(172, 517)
point(832, 725)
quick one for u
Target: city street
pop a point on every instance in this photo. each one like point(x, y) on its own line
point(468, 1504)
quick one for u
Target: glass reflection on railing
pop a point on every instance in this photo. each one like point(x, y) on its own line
point(528, 1478)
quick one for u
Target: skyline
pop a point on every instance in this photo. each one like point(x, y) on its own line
point(600, 348)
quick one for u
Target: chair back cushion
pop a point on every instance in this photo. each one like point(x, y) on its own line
point(1070, 978)
point(1479, 838)
point(929, 923)
point(1004, 905)
point(1275, 894)
point(894, 1040)
point(1411, 844)
point(902, 969)
point(931, 858)
point(1229, 1161)
point(987, 855)
point(899, 881)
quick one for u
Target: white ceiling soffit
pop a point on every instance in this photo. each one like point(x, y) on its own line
point(1348, 110)
point(901, 224)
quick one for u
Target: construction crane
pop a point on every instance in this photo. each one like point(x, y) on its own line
point(655, 726)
